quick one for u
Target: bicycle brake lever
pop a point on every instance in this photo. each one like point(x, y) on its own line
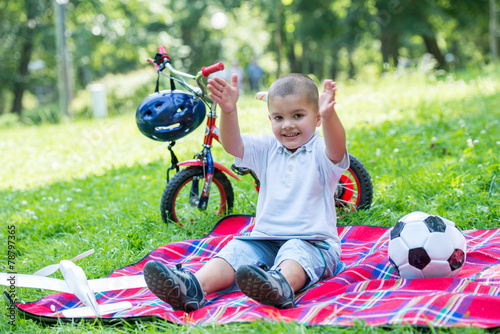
point(157, 67)
point(160, 59)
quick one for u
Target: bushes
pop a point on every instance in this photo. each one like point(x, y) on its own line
point(124, 93)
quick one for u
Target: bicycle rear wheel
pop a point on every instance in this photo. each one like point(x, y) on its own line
point(355, 189)
point(179, 202)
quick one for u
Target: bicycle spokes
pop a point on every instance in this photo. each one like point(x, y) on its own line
point(346, 197)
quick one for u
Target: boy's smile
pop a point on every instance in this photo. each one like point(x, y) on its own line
point(293, 120)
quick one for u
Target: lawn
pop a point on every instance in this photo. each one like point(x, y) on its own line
point(430, 144)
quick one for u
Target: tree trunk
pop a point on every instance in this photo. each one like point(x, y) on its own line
point(352, 70)
point(433, 48)
point(456, 52)
point(21, 80)
point(27, 41)
point(334, 69)
point(292, 59)
point(493, 30)
point(389, 45)
point(278, 34)
point(319, 63)
point(305, 69)
point(292, 56)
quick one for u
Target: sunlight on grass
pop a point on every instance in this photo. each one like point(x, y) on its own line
point(36, 156)
point(402, 98)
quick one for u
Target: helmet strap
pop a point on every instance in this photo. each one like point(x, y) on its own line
point(172, 84)
point(157, 89)
point(173, 160)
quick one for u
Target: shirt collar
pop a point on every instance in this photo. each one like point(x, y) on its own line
point(307, 146)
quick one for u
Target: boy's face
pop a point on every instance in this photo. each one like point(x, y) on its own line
point(293, 120)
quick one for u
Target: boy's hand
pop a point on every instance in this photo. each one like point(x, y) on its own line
point(333, 130)
point(224, 94)
point(327, 99)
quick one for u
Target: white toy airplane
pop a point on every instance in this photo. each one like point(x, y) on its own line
point(75, 282)
point(262, 96)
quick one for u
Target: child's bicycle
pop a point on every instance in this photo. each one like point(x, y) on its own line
point(169, 115)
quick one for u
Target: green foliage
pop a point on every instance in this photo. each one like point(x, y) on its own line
point(124, 92)
point(429, 143)
point(48, 113)
point(329, 39)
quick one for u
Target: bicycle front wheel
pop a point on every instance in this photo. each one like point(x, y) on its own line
point(179, 202)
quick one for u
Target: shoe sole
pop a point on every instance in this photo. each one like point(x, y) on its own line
point(254, 283)
point(161, 285)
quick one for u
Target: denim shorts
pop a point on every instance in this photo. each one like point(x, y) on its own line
point(318, 259)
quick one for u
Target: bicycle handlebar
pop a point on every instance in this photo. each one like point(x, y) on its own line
point(160, 57)
point(206, 71)
point(162, 49)
point(162, 61)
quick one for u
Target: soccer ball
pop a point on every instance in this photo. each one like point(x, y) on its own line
point(422, 245)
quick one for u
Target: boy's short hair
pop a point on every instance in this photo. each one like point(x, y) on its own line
point(295, 84)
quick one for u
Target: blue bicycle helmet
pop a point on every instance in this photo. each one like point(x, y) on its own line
point(169, 115)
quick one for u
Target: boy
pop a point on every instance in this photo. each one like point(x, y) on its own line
point(298, 171)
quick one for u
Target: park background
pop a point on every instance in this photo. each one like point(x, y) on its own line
point(417, 92)
point(78, 43)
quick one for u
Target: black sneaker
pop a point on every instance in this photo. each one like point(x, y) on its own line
point(179, 288)
point(266, 287)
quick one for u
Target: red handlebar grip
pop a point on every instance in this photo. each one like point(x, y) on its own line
point(162, 49)
point(206, 71)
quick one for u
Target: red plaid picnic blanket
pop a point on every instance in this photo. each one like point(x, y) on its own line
point(368, 290)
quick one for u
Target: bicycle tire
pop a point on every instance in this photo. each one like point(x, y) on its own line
point(355, 188)
point(180, 206)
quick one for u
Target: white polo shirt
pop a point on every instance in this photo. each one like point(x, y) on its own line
point(296, 190)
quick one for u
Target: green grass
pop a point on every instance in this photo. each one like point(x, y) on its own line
point(429, 144)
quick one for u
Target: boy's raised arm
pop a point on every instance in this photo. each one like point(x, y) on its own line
point(226, 96)
point(333, 131)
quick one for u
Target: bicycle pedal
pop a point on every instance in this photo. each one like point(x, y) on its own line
point(240, 170)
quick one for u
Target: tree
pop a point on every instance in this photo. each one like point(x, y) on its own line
point(469, 36)
point(404, 18)
point(494, 30)
point(323, 37)
point(462, 25)
point(22, 24)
